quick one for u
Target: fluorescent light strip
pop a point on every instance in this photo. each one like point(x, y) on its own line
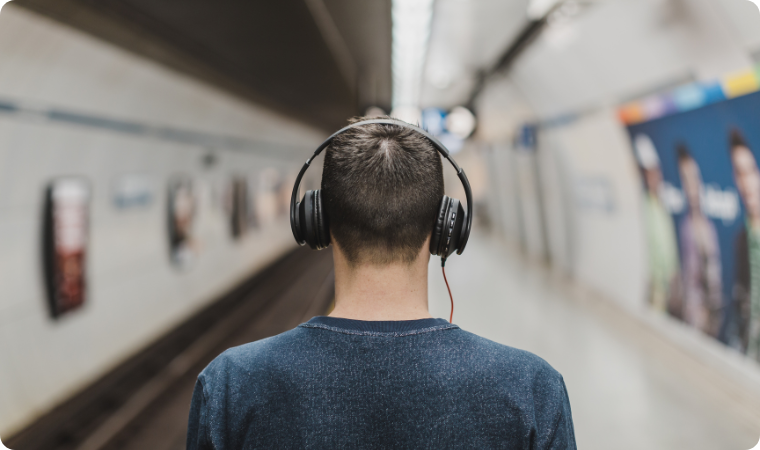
point(411, 32)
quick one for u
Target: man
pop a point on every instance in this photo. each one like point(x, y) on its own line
point(700, 254)
point(747, 298)
point(661, 235)
point(380, 372)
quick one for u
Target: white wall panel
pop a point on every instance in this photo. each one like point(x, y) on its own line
point(608, 244)
point(557, 203)
point(134, 292)
point(503, 196)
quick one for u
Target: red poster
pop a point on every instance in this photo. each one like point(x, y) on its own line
point(66, 236)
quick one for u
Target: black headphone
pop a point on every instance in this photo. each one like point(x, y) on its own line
point(452, 227)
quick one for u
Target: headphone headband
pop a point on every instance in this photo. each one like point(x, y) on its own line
point(436, 143)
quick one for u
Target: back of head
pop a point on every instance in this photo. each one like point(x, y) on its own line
point(382, 186)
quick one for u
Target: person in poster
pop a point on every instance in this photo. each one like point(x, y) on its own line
point(182, 206)
point(745, 290)
point(700, 254)
point(664, 267)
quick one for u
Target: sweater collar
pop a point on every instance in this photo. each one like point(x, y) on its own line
point(385, 326)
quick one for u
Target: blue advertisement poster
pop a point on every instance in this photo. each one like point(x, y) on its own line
point(702, 209)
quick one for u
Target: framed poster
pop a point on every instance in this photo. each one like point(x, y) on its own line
point(182, 207)
point(268, 204)
point(238, 207)
point(65, 238)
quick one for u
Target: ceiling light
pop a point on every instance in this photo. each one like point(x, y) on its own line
point(460, 122)
point(411, 31)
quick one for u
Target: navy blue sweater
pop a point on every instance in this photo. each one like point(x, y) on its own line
point(339, 383)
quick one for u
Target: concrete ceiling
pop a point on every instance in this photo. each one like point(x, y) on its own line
point(366, 25)
point(321, 61)
point(467, 37)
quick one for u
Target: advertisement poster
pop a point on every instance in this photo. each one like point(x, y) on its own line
point(269, 204)
point(241, 207)
point(66, 221)
point(702, 209)
point(182, 208)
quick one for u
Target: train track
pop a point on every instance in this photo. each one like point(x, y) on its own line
point(144, 403)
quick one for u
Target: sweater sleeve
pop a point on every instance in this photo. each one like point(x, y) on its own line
point(553, 417)
point(564, 432)
point(197, 435)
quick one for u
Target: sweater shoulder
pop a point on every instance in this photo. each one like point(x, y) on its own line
point(251, 358)
point(523, 363)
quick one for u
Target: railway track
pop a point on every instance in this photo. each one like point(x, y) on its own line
point(144, 403)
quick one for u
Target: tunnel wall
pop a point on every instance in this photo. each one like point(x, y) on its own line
point(73, 106)
point(569, 84)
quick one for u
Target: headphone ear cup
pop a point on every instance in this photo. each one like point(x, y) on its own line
point(312, 221)
point(447, 232)
point(438, 228)
point(306, 219)
point(456, 220)
point(321, 224)
point(297, 223)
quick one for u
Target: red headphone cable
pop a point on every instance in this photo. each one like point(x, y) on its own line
point(443, 269)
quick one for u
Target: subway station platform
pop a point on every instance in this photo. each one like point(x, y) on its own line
point(630, 386)
point(148, 154)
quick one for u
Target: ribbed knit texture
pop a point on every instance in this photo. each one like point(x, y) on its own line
point(394, 327)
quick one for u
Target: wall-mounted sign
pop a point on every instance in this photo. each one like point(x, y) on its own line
point(595, 193)
point(65, 236)
point(451, 128)
point(691, 96)
point(133, 191)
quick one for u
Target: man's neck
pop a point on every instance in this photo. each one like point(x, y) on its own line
point(396, 291)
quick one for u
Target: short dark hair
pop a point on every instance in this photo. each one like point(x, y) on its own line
point(683, 152)
point(736, 140)
point(382, 186)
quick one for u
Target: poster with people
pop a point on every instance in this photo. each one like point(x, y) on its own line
point(238, 207)
point(269, 206)
point(702, 210)
point(182, 210)
point(241, 206)
point(66, 233)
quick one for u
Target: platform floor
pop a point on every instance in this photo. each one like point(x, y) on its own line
point(629, 388)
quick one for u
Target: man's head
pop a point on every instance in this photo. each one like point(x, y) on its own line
point(646, 153)
point(746, 174)
point(691, 178)
point(382, 186)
